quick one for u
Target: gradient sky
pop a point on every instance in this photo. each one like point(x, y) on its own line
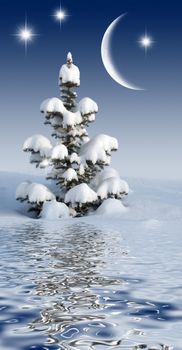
point(148, 124)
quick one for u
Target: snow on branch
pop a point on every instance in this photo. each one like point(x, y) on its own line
point(87, 106)
point(74, 158)
point(52, 105)
point(104, 174)
point(69, 175)
point(38, 143)
point(59, 152)
point(69, 74)
point(98, 149)
point(33, 193)
point(71, 118)
point(112, 187)
point(80, 194)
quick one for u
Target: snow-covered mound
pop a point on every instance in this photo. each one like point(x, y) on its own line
point(151, 203)
point(38, 143)
point(80, 194)
point(54, 210)
point(87, 106)
point(112, 186)
point(111, 207)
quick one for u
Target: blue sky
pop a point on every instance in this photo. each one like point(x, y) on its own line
point(147, 123)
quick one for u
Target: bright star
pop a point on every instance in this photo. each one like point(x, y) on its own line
point(146, 42)
point(60, 15)
point(25, 35)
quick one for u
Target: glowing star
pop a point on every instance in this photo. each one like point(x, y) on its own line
point(60, 15)
point(146, 42)
point(25, 35)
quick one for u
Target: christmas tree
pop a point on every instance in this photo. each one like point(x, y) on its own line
point(75, 162)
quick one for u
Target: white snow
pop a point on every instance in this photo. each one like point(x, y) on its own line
point(52, 105)
point(38, 143)
point(91, 117)
point(38, 193)
point(33, 192)
point(104, 174)
point(74, 158)
point(112, 186)
point(87, 106)
point(71, 118)
point(69, 57)
point(56, 121)
point(44, 163)
point(60, 152)
point(98, 149)
point(54, 210)
point(70, 175)
point(70, 74)
point(137, 249)
point(111, 207)
point(22, 190)
point(80, 194)
point(81, 170)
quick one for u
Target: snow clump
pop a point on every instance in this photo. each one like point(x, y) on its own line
point(38, 143)
point(112, 186)
point(80, 194)
point(54, 210)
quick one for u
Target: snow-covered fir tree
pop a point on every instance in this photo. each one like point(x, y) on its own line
point(75, 162)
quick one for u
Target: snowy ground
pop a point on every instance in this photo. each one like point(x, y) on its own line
point(151, 202)
point(143, 245)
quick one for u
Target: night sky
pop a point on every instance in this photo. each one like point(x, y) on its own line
point(148, 124)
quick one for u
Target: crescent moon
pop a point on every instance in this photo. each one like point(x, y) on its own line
point(107, 59)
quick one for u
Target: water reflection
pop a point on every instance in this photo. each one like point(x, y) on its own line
point(64, 287)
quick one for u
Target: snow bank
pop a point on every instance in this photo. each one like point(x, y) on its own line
point(87, 106)
point(59, 152)
point(70, 74)
point(34, 192)
point(98, 149)
point(111, 207)
point(38, 143)
point(54, 210)
point(52, 105)
point(80, 194)
point(113, 186)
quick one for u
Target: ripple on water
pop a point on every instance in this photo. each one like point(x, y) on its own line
point(75, 286)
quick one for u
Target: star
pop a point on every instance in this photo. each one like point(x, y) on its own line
point(60, 15)
point(146, 42)
point(25, 34)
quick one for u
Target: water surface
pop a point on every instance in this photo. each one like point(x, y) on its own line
point(84, 284)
